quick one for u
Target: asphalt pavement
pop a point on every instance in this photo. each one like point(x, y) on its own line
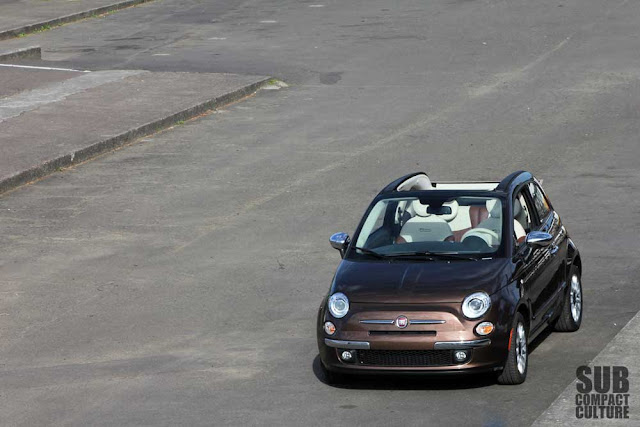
point(177, 281)
point(21, 17)
point(616, 355)
point(74, 116)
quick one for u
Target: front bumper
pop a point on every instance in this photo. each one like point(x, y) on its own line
point(438, 360)
point(427, 345)
point(438, 345)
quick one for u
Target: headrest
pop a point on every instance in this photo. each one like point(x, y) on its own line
point(494, 207)
point(454, 211)
point(417, 182)
point(419, 208)
point(517, 208)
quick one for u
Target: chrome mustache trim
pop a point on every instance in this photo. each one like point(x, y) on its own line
point(411, 322)
point(350, 345)
point(378, 322)
point(461, 345)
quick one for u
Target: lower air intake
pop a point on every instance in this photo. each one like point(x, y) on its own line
point(405, 357)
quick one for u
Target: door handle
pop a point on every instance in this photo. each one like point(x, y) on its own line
point(554, 249)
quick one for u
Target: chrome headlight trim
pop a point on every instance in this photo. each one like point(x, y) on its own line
point(338, 305)
point(476, 305)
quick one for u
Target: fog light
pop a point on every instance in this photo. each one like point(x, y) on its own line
point(329, 328)
point(484, 328)
point(346, 356)
point(460, 355)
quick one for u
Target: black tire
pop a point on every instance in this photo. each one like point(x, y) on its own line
point(514, 372)
point(569, 320)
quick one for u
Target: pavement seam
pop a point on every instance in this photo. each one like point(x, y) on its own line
point(83, 154)
point(38, 26)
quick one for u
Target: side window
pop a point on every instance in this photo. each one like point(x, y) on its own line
point(539, 200)
point(522, 223)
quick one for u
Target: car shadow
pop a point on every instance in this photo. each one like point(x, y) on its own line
point(539, 339)
point(406, 382)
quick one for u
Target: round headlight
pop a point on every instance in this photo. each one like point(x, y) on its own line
point(338, 305)
point(476, 305)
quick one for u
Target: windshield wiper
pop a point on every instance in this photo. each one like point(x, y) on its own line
point(370, 252)
point(450, 256)
point(432, 255)
point(422, 254)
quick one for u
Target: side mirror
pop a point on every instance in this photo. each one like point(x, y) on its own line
point(340, 241)
point(539, 239)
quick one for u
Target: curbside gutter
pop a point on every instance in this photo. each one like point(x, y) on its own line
point(31, 28)
point(109, 144)
point(26, 52)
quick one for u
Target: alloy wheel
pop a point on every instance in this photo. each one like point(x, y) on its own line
point(576, 298)
point(521, 348)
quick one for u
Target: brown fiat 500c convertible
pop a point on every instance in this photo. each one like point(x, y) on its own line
point(450, 278)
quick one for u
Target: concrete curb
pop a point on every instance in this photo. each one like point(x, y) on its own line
point(562, 412)
point(114, 142)
point(25, 52)
point(31, 28)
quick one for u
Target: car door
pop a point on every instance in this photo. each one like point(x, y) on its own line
point(529, 261)
point(552, 278)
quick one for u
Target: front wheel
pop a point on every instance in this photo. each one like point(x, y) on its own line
point(515, 370)
point(571, 315)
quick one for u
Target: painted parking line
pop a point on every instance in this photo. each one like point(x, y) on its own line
point(23, 102)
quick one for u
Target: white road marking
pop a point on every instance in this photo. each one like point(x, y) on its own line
point(161, 54)
point(29, 100)
point(217, 38)
point(33, 67)
point(316, 5)
point(268, 22)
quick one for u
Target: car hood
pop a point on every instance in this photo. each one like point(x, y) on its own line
point(419, 282)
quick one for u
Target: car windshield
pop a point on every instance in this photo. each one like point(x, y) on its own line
point(433, 224)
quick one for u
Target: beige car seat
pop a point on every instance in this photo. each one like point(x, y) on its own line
point(519, 219)
point(425, 227)
point(490, 229)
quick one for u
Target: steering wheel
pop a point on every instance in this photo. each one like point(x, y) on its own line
point(485, 234)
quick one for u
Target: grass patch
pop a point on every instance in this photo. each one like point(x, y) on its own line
point(46, 27)
point(38, 30)
point(274, 84)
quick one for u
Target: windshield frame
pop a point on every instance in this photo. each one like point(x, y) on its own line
point(353, 255)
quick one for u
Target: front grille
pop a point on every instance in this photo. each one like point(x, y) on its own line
point(405, 357)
